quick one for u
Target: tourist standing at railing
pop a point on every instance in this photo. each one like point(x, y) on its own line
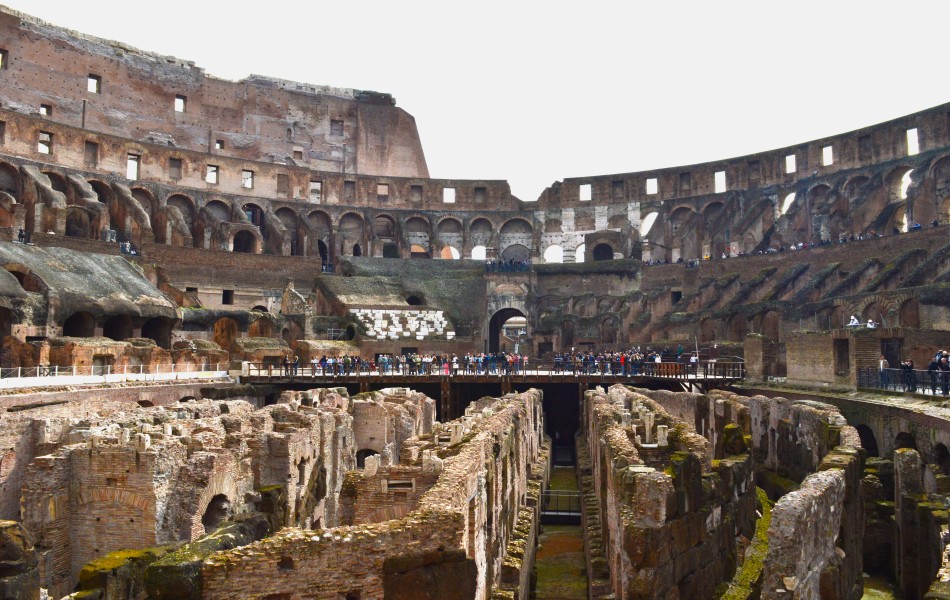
point(944, 366)
point(933, 373)
point(910, 377)
point(882, 372)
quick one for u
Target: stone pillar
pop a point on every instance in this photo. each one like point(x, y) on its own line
point(661, 436)
point(917, 546)
point(648, 419)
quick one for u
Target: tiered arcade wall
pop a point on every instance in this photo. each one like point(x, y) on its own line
point(66, 172)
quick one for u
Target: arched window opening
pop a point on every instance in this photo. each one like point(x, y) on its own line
point(647, 223)
point(479, 253)
point(905, 184)
point(508, 331)
point(77, 223)
point(554, 254)
point(450, 253)
point(516, 252)
point(868, 441)
point(787, 204)
point(579, 253)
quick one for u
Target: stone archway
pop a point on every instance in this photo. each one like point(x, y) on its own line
point(495, 325)
point(602, 252)
point(81, 324)
point(225, 332)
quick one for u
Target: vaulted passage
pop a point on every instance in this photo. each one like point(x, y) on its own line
point(500, 334)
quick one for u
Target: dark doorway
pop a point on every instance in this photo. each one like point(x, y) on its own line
point(602, 252)
point(868, 441)
point(218, 511)
point(322, 250)
point(361, 457)
point(81, 324)
point(905, 440)
point(158, 329)
point(244, 242)
point(891, 349)
point(390, 251)
point(118, 328)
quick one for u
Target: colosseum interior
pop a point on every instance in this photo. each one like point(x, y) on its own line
point(251, 349)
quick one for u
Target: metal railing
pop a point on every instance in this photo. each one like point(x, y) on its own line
point(605, 370)
point(565, 502)
point(101, 370)
point(912, 381)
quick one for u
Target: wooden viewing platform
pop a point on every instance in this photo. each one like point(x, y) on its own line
point(701, 376)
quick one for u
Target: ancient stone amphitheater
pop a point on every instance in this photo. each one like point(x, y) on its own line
point(666, 361)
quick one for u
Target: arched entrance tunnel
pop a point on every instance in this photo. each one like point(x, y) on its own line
point(503, 336)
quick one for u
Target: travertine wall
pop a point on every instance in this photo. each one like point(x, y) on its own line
point(333, 129)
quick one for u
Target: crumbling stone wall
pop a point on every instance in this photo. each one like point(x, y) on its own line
point(146, 476)
point(454, 541)
point(669, 531)
point(802, 537)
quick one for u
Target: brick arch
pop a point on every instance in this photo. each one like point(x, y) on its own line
point(10, 180)
point(350, 234)
point(180, 200)
point(938, 163)
point(29, 281)
point(417, 218)
point(321, 222)
point(893, 181)
point(59, 183)
point(511, 222)
point(146, 198)
point(447, 221)
point(245, 237)
point(385, 226)
point(220, 209)
point(221, 482)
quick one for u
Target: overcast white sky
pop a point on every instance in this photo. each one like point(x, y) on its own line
point(533, 92)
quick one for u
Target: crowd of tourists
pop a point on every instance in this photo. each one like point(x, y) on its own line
point(911, 380)
point(634, 361)
point(507, 266)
